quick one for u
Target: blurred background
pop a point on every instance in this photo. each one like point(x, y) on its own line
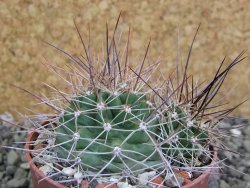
point(25, 24)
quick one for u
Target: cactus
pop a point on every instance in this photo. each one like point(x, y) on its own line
point(113, 121)
point(122, 131)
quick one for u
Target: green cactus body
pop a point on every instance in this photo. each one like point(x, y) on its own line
point(121, 132)
point(184, 135)
point(105, 121)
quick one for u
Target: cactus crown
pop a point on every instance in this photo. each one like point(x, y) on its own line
point(122, 124)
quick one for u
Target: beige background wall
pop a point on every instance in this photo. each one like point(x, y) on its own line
point(225, 30)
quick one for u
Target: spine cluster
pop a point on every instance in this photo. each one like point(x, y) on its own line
point(114, 122)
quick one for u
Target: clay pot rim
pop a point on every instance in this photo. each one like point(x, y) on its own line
point(33, 134)
point(205, 174)
point(33, 166)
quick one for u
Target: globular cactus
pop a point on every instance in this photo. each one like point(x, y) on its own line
point(114, 121)
point(124, 131)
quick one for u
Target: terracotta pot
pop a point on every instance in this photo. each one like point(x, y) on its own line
point(39, 181)
point(202, 180)
point(36, 174)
